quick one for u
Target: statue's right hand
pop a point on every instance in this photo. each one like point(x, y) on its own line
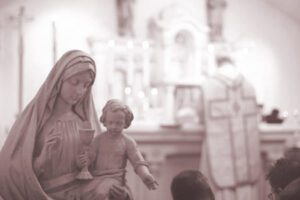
point(51, 143)
point(53, 140)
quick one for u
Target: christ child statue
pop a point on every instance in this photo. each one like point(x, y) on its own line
point(113, 148)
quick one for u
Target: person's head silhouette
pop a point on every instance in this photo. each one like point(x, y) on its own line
point(191, 185)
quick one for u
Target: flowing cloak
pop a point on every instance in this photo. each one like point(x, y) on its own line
point(17, 178)
point(231, 150)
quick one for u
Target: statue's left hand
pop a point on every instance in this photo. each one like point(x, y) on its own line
point(150, 181)
point(82, 160)
point(118, 193)
point(91, 155)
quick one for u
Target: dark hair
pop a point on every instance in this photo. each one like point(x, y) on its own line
point(282, 173)
point(191, 185)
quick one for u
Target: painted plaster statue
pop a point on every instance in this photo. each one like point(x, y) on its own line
point(215, 18)
point(113, 148)
point(40, 158)
point(125, 14)
point(231, 150)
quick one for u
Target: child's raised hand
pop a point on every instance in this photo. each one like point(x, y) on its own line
point(150, 182)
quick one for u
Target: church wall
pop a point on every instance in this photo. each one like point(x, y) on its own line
point(86, 18)
point(75, 22)
point(272, 61)
point(146, 9)
point(8, 74)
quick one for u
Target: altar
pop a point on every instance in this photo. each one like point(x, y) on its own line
point(170, 150)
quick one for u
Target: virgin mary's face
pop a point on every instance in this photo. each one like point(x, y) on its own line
point(74, 88)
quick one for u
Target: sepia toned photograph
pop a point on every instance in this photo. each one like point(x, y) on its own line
point(149, 100)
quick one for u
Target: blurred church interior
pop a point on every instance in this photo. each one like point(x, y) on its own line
point(154, 55)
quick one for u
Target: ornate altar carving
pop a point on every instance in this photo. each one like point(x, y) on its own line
point(144, 72)
point(125, 67)
point(181, 46)
point(181, 53)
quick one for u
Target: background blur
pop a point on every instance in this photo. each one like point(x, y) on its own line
point(143, 47)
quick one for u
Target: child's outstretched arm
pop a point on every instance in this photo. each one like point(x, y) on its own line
point(146, 176)
point(139, 164)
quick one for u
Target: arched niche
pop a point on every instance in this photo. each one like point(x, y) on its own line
point(180, 59)
point(181, 46)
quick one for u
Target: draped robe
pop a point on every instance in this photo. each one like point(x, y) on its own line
point(61, 159)
point(231, 149)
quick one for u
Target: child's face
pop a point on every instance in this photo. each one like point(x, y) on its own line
point(115, 122)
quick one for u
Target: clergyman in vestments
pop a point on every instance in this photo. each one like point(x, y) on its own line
point(231, 151)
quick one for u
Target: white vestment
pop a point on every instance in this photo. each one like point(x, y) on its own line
point(231, 151)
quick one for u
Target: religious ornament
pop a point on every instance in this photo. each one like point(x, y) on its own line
point(125, 17)
point(86, 134)
point(215, 15)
